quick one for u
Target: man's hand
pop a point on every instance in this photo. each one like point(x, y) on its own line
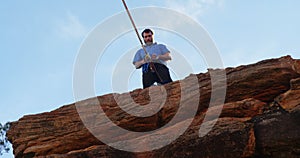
point(155, 57)
point(147, 58)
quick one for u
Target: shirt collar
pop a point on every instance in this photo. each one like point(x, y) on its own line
point(151, 44)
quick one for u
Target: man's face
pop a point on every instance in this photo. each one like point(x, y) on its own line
point(148, 38)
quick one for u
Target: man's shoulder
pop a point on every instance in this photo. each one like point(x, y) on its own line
point(160, 45)
point(140, 50)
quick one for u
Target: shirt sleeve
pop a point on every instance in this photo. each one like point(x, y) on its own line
point(163, 49)
point(137, 56)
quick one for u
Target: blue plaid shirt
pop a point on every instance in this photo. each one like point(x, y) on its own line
point(158, 49)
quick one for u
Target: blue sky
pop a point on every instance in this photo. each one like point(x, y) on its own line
point(40, 42)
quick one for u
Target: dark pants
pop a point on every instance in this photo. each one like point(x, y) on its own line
point(161, 75)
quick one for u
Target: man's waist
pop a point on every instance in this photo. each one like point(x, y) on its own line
point(151, 66)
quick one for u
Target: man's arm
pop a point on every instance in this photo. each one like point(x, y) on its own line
point(164, 57)
point(138, 64)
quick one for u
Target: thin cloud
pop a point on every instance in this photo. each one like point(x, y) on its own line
point(71, 27)
point(194, 8)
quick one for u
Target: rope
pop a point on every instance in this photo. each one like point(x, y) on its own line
point(152, 66)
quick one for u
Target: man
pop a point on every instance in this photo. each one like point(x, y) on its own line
point(154, 64)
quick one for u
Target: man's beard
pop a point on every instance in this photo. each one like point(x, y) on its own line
point(149, 42)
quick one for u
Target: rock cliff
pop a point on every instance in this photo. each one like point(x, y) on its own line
point(259, 117)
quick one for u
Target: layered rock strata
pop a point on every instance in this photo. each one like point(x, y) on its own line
point(259, 118)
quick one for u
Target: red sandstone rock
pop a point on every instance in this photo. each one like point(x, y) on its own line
point(290, 100)
point(245, 127)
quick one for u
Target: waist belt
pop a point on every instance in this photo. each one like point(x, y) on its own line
point(148, 66)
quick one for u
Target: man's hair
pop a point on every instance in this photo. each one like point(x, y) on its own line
point(147, 31)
